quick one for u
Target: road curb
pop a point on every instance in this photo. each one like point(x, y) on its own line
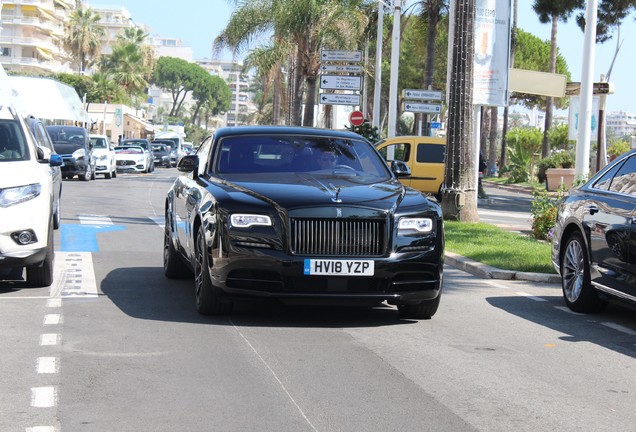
point(488, 272)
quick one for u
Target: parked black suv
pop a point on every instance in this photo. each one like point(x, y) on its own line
point(74, 145)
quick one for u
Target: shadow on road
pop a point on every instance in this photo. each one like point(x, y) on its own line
point(575, 327)
point(145, 293)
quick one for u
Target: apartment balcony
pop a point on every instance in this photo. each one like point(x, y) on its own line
point(37, 22)
point(30, 63)
point(44, 44)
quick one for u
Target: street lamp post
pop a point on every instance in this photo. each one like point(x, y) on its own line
point(395, 62)
point(582, 161)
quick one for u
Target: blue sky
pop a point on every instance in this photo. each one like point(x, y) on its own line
point(198, 22)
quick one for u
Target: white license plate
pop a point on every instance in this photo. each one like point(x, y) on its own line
point(339, 267)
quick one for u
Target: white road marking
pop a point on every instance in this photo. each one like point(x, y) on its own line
point(531, 297)
point(52, 319)
point(74, 276)
point(40, 429)
point(54, 303)
point(514, 215)
point(43, 397)
point(280, 383)
point(159, 220)
point(48, 339)
point(620, 328)
point(94, 220)
point(47, 365)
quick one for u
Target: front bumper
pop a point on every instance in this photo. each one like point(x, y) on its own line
point(74, 167)
point(399, 279)
point(130, 166)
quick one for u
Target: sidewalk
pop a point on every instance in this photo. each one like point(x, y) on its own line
point(488, 272)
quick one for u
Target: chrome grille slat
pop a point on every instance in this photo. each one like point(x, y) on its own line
point(329, 237)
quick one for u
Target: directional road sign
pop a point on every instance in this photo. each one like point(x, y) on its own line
point(423, 108)
point(422, 94)
point(339, 99)
point(340, 82)
point(338, 55)
point(341, 68)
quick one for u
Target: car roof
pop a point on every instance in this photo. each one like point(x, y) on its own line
point(285, 130)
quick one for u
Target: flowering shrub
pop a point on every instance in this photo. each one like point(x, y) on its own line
point(544, 212)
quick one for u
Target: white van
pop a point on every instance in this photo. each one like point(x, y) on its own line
point(176, 138)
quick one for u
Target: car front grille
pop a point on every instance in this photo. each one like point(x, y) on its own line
point(125, 163)
point(337, 237)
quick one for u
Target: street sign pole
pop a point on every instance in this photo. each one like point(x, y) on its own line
point(378, 67)
point(395, 62)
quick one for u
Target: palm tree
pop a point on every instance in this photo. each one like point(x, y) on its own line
point(552, 11)
point(459, 198)
point(83, 36)
point(125, 66)
point(309, 26)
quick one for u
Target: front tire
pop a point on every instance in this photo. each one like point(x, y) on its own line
point(209, 299)
point(41, 275)
point(578, 293)
point(423, 310)
point(88, 174)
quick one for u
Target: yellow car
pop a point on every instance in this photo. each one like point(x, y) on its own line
point(425, 157)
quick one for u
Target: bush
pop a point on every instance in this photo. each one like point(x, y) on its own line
point(617, 148)
point(556, 160)
point(544, 212)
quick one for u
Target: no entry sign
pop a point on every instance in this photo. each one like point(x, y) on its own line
point(356, 118)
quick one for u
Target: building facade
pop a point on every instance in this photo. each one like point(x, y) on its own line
point(621, 123)
point(31, 34)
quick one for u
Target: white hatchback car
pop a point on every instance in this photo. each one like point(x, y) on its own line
point(26, 202)
point(104, 154)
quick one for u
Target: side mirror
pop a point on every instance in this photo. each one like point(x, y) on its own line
point(188, 163)
point(56, 160)
point(400, 168)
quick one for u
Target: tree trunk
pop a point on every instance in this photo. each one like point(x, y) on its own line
point(297, 95)
point(459, 198)
point(433, 15)
point(485, 132)
point(549, 102)
point(276, 97)
point(310, 101)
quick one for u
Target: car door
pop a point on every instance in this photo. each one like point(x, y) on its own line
point(397, 151)
point(427, 166)
point(609, 214)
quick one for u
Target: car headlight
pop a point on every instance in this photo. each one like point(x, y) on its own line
point(240, 220)
point(422, 225)
point(102, 157)
point(17, 195)
point(79, 154)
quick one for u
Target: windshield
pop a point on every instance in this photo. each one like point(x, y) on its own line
point(287, 154)
point(99, 142)
point(12, 142)
point(129, 150)
point(140, 143)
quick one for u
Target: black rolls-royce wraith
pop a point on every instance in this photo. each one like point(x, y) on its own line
point(301, 214)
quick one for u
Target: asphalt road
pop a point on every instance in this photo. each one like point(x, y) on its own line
point(506, 207)
point(114, 346)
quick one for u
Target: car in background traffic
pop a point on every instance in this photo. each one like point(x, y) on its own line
point(425, 157)
point(161, 155)
point(104, 156)
point(188, 148)
point(301, 215)
point(144, 144)
point(131, 159)
point(171, 149)
point(43, 140)
point(73, 144)
point(27, 202)
point(594, 240)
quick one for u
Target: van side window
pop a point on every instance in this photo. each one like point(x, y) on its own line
point(431, 153)
point(400, 152)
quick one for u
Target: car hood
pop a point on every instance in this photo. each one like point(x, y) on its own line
point(20, 174)
point(101, 151)
point(297, 190)
point(66, 149)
